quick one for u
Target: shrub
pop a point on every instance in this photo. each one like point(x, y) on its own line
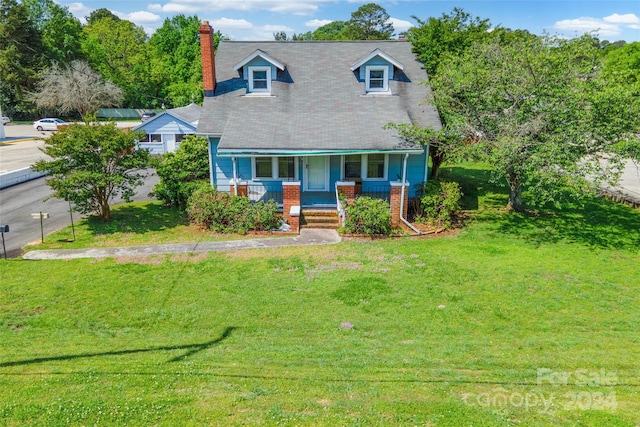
point(439, 202)
point(182, 172)
point(367, 216)
point(224, 213)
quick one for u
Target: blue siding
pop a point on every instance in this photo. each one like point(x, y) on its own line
point(259, 62)
point(223, 173)
point(376, 61)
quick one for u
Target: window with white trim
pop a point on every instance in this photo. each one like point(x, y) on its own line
point(377, 78)
point(260, 79)
point(277, 168)
point(155, 138)
point(370, 167)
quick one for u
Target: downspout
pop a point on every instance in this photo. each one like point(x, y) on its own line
point(235, 176)
point(211, 166)
point(404, 182)
point(426, 164)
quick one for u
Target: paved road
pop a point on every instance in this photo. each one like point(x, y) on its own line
point(21, 149)
point(17, 203)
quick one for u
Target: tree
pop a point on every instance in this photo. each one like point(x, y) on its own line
point(546, 116)
point(452, 33)
point(76, 88)
point(93, 163)
point(21, 58)
point(99, 14)
point(175, 59)
point(369, 22)
point(183, 171)
point(117, 49)
point(623, 64)
point(280, 36)
point(61, 31)
point(443, 144)
point(332, 31)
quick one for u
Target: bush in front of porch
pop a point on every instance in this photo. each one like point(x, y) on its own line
point(225, 213)
point(365, 215)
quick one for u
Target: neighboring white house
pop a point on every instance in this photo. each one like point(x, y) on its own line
point(166, 130)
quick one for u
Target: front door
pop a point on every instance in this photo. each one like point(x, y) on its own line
point(316, 173)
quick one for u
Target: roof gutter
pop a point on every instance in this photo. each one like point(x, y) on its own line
point(253, 153)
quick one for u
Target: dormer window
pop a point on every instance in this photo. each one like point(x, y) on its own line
point(260, 79)
point(259, 70)
point(376, 69)
point(377, 79)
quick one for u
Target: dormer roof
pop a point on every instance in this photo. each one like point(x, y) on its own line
point(380, 54)
point(259, 54)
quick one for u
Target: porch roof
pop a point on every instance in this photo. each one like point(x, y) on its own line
point(302, 153)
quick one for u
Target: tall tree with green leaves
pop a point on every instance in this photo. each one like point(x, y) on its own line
point(175, 48)
point(61, 31)
point(546, 116)
point(452, 33)
point(21, 58)
point(117, 49)
point(369, 22)
point(92, 164)
point(183, 171)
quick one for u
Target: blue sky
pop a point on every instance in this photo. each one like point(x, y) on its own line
point(259, 19)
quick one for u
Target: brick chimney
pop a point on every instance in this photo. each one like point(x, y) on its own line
point(208, 59)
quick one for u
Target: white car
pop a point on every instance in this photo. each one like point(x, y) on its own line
point(49, 124)
point(5, 120)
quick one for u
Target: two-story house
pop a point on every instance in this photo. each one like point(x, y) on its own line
point(300, 119)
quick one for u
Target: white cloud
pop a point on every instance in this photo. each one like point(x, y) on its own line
point(79, 10)
point(276, 28)
point(154, 7)
point(317, 23)
point(588, 24)
point(627, 19)
point(298, 7)
point(140, 17)
point(225, 24)
point(399, 25)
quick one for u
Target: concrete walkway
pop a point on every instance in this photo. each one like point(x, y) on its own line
point(307, 237)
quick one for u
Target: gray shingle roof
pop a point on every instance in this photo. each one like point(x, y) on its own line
point(318, 104)
point(190, 113)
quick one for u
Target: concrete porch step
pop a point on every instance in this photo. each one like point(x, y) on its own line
point(319, 218)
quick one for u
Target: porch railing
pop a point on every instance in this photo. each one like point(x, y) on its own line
point(264, 193)
point(376, 191)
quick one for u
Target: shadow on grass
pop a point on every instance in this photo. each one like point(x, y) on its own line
point(596, 222)
point(192, 349)
point(138, 218)
point(476, 186)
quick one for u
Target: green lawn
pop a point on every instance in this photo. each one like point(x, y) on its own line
point(515, 320)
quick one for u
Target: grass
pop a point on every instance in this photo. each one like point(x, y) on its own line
point(461, 330)
point(132, 224)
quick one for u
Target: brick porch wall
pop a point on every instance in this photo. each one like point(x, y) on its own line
point(290, 197)
point(395, 198)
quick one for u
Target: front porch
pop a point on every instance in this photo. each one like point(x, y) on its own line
point(320, 209)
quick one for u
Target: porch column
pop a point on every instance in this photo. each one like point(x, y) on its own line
point(290, 198)
point(239, 188)
point(395, 202)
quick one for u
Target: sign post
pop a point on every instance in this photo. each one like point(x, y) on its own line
point(41, 216)
point(4, 229)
